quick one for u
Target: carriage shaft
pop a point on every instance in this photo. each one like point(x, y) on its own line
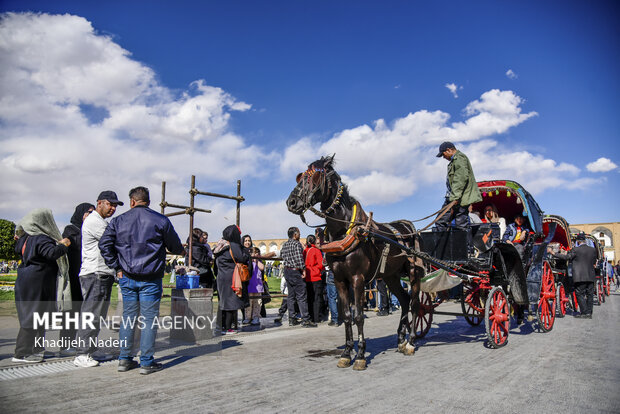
point(424, 256)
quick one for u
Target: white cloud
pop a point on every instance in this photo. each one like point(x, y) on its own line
point(601, 165)
point(386, 163)
point(510, 74)
point(53, 153)
point(453, 89)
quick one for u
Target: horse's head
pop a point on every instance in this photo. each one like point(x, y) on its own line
point(313, 185)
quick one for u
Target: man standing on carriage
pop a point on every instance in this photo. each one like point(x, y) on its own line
point(584, 259)
point(461, 187)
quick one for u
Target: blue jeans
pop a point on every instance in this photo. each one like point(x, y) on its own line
point(332, 301)
point(145, 298)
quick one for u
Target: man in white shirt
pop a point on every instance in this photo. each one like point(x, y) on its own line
point(96, 278)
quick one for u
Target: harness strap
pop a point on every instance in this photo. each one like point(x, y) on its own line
point(353, 217)
point(384, 255)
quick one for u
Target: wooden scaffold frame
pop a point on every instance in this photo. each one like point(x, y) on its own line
point(191, 209)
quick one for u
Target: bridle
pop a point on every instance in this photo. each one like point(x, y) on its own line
point(315, 180)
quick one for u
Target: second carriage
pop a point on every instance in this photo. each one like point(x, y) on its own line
point(561, 241)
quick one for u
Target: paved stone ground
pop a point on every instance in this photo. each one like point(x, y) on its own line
point(573, 369)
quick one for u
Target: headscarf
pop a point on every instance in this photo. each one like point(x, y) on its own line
point(494, 214)
point(232, 234)
point(78, 216)
point(40, 221)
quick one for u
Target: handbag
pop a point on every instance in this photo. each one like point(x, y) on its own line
point(243, 270)
point(266, 295)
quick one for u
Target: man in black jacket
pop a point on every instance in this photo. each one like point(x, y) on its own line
point(134, 244)
point(584, 259)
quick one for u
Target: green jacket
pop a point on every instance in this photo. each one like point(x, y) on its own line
point(461, 181)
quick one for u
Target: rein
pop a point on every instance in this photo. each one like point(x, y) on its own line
point(337, 199)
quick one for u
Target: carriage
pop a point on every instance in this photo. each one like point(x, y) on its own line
point(493, 273)
point(561, 242)
point(497, 277)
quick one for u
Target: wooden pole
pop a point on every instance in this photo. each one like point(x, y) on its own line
point(191, 218)
point(239, 203)
point(163, 196)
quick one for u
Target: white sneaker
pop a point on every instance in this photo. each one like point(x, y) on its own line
point(246, 321)
point(30, 359)
point(85, 361)
point(255, 321)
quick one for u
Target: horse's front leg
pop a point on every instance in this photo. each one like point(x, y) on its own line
point(343, 294)
point(358, 316)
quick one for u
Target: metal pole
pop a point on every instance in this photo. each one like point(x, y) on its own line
point(239, 203)
point(163, 196)
point(191, 219)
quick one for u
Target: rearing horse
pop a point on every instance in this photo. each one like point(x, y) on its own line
point(362, 258)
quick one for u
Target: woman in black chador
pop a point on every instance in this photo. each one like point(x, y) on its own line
point(73, 232)
point(229, 302)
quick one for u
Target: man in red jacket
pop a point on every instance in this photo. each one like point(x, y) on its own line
point(315, 285)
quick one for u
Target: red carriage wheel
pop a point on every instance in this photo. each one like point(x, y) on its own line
point(472, 304)
point(424, 317)
point(599, 292)
point(607, 283)
point(562, 300)
point(574, 302)
point(497, 317)
point(547, 300)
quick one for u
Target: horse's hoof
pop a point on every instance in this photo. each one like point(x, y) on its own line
point(359, 365)
point(344, 363)
point(409, 349)
point(401, 346)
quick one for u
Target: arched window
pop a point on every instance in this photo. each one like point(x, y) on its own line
point(604, 236)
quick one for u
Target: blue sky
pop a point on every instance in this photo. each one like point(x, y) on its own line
point(120, 93)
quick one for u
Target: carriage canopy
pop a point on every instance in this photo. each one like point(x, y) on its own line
point(511, 199)
point(562, 234)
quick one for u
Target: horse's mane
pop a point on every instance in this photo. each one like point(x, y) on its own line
point(327, 163)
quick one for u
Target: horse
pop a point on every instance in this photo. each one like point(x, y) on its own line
point(361, 257)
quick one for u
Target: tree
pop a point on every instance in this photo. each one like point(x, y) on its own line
point(7, 242)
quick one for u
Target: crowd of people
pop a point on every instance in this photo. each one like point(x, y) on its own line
point(74, 272)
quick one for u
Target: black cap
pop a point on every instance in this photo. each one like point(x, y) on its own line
point(444, 146)
point(110, 196)
point(581, 236)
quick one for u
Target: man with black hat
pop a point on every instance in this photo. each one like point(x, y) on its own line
point(96, 278)
point(584, 259)
point(461, 187)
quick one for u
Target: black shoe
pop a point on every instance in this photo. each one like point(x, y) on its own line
point(332, 323)
point(154, 367)
point(278, 319)
point(126, 365)
point(587, 316)
point(383, 312)
point(308, 324)
point(293, 322)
